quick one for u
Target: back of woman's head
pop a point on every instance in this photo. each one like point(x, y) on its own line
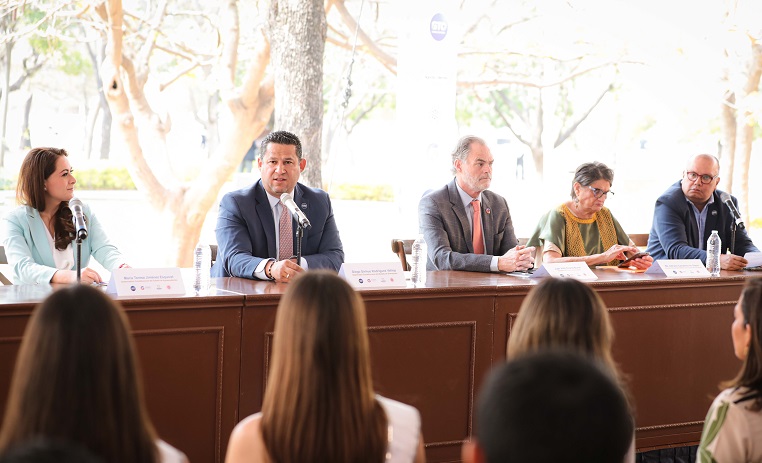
point(38, 165)
point(566, 314)
point(751, 307)
point(319, 404)
point(76, 378)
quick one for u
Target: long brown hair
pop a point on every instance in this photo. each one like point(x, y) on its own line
point(76, 378)
point(566, 314)
point(37, 166)
point(319, 405)
point(750, 375)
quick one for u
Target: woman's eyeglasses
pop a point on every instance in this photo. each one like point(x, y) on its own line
point(598, 193)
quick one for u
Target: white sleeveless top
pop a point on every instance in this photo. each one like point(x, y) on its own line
point(404, 424)
point(169, 454)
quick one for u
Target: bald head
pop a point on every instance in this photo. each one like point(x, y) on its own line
point(700, 179)
point(704, 158)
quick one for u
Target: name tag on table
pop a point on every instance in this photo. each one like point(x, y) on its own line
point(576, 270)
point(373, 275)
point(146, 282)
point(679, 268)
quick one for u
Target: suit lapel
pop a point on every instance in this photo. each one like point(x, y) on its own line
point(265, 215)
point(40, 237)
point(489, 228)
point(302, 203)
point(460, 212)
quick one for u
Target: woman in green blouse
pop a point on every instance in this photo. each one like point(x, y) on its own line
point(582, 229)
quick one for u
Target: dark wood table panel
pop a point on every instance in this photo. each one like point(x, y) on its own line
point(189, 352)
point(205, 359)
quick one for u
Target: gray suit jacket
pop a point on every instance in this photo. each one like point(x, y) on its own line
point(443, 221)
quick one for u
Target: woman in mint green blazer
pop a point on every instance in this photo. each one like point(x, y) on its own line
point(39, 235)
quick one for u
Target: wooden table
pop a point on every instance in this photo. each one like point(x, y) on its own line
point(205, 359)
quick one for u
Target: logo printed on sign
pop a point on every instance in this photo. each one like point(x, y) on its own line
point(438, 27)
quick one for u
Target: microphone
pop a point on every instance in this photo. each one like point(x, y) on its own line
point(725, 198)
point(78, 217)
point(297, 213)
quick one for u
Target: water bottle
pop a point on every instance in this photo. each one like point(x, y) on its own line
point(202, 264)
point(418, 261)
point(713, 251)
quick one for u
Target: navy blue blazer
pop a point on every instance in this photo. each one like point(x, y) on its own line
point(246, 231)
point(674, 232)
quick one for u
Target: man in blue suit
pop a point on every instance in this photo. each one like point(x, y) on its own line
point(248, 225)
point(686, 214)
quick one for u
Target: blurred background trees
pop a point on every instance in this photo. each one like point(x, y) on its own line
point(177, 91)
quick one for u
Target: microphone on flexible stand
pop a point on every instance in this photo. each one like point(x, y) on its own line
point(726, 198)
point(299, 216)
point(78, 217)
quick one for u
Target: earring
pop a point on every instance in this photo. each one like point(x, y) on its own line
point(576, 201)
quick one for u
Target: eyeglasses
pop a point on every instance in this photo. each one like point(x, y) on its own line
point(706, 178)
point(598, 193)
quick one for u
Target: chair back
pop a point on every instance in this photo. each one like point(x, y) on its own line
point(402, 248)
point(640, 240)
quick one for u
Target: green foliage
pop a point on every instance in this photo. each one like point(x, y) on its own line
point(356, 192)
point(108, 178)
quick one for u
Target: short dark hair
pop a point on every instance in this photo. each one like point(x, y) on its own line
point(281, 137)
point(553, 406)
point(589, 172)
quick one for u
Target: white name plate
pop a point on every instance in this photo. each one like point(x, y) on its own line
point(576, 270)
point(146, 282)
point(679, 268)
point(373, 275)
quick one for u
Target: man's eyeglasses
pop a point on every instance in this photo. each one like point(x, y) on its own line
point(706, 178)
point(598, 193)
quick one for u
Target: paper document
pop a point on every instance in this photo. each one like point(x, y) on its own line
point(754, 258)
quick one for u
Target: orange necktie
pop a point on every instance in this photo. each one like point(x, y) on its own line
point(478, 238)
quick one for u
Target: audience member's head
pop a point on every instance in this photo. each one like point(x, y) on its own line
point(43, 450)
point(563, 313)
point(319, 403)
point(746, 331)
point(551, 407)
point(76, 379)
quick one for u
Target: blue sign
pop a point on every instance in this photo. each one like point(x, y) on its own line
point(438, 27)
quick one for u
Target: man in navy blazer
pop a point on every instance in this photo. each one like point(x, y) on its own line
point(445, 218)
point(686, 214)
point(247, 238)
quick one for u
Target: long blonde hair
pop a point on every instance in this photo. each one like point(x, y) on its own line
point(319, 404)
point(566, 314)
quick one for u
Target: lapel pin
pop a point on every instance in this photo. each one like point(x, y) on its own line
point(488, 211)
point(304, 205)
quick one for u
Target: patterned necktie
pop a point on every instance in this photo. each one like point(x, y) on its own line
point(478, 238)
point(286, 248)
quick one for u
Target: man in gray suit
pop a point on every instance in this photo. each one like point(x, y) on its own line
point(446, 217)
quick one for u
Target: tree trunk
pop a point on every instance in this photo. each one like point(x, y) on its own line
point(251, 108)
point(26, 135)
point(6, 97)
point(746, 122)
point(297, 32)
point(728, 148)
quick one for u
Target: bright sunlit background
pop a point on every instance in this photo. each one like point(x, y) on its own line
point(666, 65)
